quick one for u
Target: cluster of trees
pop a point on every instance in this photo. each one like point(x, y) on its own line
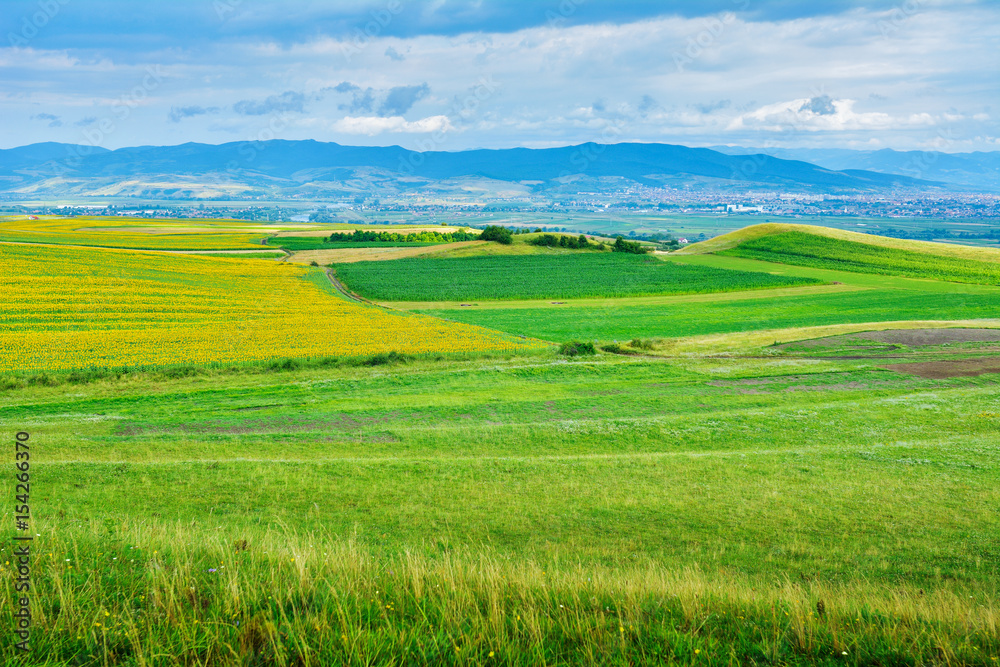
point(362, 236)
point(621, 245)
point(564, 241)
point(498, 234)
point(492, 233)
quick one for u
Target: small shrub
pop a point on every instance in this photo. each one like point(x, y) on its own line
point(181, 372)
point(496, 233)
point(576, 348)
point(386, 358)
point(41, 380)
point(284, 365)
point(640, 344)
point(621, 245)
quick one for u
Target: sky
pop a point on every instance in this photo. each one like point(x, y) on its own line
point(460, 74)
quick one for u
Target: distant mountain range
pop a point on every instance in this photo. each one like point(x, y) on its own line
point(975, 171)
point(311, 169)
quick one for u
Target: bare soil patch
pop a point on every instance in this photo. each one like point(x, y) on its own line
point(909, 337)
point(348, 255)
point(952, 368)
point(919, 337)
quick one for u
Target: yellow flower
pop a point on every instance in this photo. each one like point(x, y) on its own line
point(88, 307)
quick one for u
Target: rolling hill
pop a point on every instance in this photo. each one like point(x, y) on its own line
point(821, 247)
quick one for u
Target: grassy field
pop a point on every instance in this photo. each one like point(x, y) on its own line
point(753, 232)
point(805, 249)
point(725, 316)
point(442, 512)
point(568, 275)
point(849, 297)
point(801, 475)
point(333, 256)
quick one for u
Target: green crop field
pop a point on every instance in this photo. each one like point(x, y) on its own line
point(799, 475)
point(804, 249)
point(563, 276)
point(621, 322)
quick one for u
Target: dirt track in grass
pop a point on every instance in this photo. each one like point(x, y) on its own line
point(908, 337)
point(939, 370)
point(348, 255)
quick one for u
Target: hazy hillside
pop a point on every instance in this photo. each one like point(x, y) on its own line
point(288, 168)
point(979, 170)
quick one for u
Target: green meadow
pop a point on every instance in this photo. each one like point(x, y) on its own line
point(756, 477)
point(540, 276)
point(848, 298)
point(804, 249)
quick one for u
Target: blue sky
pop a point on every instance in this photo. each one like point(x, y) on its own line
point(456, 74)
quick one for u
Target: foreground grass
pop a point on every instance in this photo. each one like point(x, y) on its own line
point(608, 511)
point(155, 593)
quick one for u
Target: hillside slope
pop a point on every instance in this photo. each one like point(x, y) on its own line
point(304, 167)
point(818, 247)
point(740, 236)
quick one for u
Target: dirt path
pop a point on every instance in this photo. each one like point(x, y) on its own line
point(348, 294)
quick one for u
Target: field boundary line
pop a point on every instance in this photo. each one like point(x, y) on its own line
point(651, 300)
point(119, 248)
point(342, 289)
point(451, 459)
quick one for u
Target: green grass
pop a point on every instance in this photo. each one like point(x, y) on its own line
point(613, 510)
point(861, 297)
point(569, 275)
point(610, 322)
point(823, 252)
point(549, 512)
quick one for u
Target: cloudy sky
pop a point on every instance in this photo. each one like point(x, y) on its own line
point(456, 74)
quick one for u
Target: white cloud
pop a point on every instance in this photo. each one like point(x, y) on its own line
point(837, 116)
point(372, 125)
point(560, 85)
